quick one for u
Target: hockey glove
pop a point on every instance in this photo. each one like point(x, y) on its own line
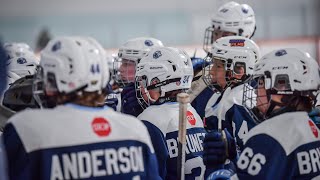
point(218, 146)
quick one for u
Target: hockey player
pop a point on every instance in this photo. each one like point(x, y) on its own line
point(231, 19)
point(233, 59)
point(160, 76)
point(285, 145)
point(77, 139)
point(129, 55)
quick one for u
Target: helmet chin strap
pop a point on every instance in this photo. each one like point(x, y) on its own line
point(285, 106)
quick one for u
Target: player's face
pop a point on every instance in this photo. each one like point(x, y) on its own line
point(219, 34)
point(218, 73)
point(262, 100)
point(127, 70)
point(154, 94)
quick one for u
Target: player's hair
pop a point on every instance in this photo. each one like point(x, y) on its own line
point(92, 99)
point(301, 103)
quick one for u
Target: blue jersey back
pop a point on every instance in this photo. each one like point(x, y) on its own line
point(283, 147)
point(162, 122)
point(76, 142)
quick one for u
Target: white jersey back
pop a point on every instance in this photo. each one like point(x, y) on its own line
point(77, 142)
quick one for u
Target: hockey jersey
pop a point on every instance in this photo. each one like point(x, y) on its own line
point(211, 120)
point(78, 142)
point(233, 115)
point(162, 122)
point(286, 146)
point(201, 101)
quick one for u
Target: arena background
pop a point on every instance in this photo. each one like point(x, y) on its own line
point(180, 23)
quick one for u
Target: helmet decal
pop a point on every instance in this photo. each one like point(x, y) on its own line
point(56, 46)
point(21, 60)
point(237, 42)
point(148, 43)
point(281, 52)
point(157, 54)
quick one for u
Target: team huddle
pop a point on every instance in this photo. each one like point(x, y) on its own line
point(77, 113)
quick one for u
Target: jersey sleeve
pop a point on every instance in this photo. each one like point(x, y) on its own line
point(160, 147)
point(262, 158)
point(17, 156)
point(200, 102)
point(152, 170)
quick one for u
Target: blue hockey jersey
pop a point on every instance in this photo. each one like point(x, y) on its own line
point(162, 122)
point(233, 115)
point(201, 101)
point(286, 146)
point(77, 142)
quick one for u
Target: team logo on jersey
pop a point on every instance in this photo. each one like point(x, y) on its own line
point(281, 52)
point(191, 119)
point(148, 43)
point(236, 42)
point(157, 54)
point(313, 128)
point(56, 46)
point(101, 126)
point(21, 60)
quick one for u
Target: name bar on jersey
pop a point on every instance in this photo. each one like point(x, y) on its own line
point(194, 144)
point(101, 162)
point(309, 161)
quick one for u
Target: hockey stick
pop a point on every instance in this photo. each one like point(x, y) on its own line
point(197, 87)
point(183, 99)
point(224, 136)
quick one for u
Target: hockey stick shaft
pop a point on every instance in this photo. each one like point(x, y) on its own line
point(183, 99)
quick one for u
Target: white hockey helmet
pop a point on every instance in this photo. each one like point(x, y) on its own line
point(21, 59)
point(71, 64)
point(15, 49)
point(130, 53)
point(288, 72)
point(231, 17)
point(135, 49)
point(11, 78)
point(170, 68)
point(23, 66)
point(236, 52)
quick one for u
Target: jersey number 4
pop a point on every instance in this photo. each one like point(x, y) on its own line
point(251, 162)
point(242, 131)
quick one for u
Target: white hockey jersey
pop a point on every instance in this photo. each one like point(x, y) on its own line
point(78, 142)
point(162, 122)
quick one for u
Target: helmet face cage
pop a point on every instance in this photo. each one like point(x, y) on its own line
point(211, 35)
point(231, 69)
point(38, 87)
point(141, 83)
point(124, 71)
point(252, 98)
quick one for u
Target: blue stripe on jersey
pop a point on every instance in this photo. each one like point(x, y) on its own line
point(160, 147)
point(264, 158)
point(113, 160)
